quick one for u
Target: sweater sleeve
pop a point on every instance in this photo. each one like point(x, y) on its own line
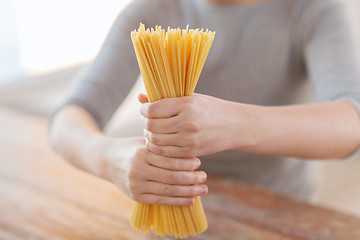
point(331, 55)
point(110, 77)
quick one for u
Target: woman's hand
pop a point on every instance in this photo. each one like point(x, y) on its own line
point(199, 125)
point(189, 126)
point(149, 178)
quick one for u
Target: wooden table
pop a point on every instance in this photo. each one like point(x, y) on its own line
point(43, 197)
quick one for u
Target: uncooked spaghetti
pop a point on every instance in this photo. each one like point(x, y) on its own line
point(170, 64)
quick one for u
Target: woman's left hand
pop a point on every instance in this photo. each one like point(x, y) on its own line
point(189, 126)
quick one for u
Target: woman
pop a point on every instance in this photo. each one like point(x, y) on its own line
point(268, 55)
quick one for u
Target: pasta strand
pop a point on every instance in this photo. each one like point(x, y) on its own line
point(170, 64)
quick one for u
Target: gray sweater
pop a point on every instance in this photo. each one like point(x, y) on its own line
point(279, 52)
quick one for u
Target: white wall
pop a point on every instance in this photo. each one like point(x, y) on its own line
point(40, 36)
point(9, 56)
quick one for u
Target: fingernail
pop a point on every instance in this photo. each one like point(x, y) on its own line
point(203, 177)
point(190, 200)
point(197, 164)
point(204, 189)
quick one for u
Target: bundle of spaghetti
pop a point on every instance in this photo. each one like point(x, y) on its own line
point(170, 64)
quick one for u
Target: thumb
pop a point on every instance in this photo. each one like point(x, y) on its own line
point(143, 98)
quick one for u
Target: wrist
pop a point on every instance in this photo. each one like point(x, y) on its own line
point(247, 127)
point(95, 152)
point(112, 157)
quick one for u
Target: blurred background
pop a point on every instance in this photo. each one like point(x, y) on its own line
point(44, 45)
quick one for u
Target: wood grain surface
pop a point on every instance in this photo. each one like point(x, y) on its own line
point(43, 197)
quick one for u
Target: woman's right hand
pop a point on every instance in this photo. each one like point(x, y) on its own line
point(149, 178)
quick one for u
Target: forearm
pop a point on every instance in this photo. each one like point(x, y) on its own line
point(313, 131)
point(75, 135)
point(140, 174)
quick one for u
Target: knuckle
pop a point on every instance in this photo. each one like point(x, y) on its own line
point(154, 138)
point(173, 177)
point(192, 125)
point(165, 162)
point(188, 125)
point(163, 151)
point(157, 150)
point(174, 164)
point(159, 201)
point(136, 197)
point(193, 141)
point(196, 125)
point(133, 174)
point(191, 106)
point(167, 190)
point(188, 101)
point(133, 190)
point(143, 199)
point(151, 109)
point(193, 152)
point(189, 152)
point(149, 124)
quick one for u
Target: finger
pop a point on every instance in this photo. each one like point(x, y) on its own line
point(170, 151)
point(161, 125)
point(176, 164)
point(175, 177)
point(161, 139)
point(175, 190)
point(165, 200)
point(163, 108)
point(143, 98)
